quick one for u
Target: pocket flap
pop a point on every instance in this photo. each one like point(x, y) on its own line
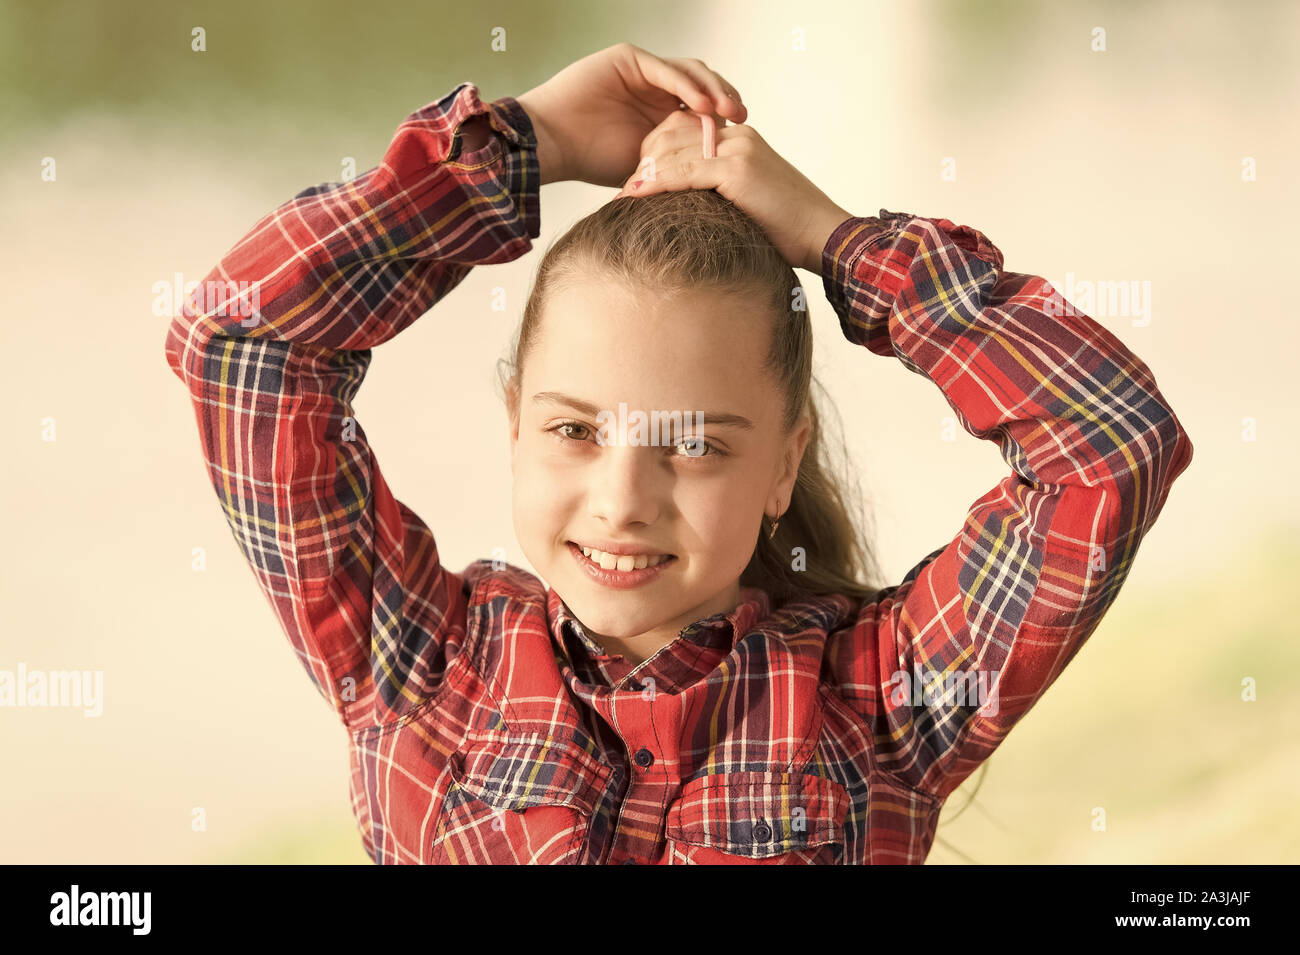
point(516, 774)
point(758, 814)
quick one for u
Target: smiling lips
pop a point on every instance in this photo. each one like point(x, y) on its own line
point(624, 562)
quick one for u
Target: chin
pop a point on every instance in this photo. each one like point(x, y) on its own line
point(608, 613)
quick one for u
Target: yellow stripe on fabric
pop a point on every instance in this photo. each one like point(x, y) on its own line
point(223, 455)
point(362, 558)
point(537, 765)
point(348, 476)
point(375, 654)
point(649, 835)
point(725, 677)
point(848, 239)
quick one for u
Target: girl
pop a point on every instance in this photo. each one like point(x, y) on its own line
point(705, 677)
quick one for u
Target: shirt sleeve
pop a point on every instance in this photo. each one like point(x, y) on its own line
point(942, 665)
point(273, 347)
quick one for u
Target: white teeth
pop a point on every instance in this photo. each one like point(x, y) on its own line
point(623, 562)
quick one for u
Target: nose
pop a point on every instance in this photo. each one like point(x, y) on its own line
point(627, 486)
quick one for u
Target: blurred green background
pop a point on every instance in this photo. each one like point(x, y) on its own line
point(1123, 163)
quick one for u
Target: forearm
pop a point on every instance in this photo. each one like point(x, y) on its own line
point(823, 223)
point(550, 161)
point(348, 265)
point(1065, 399)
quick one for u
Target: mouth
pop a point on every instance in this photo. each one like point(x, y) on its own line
point(617, 571)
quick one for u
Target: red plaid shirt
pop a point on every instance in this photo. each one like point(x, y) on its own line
point(484, 725)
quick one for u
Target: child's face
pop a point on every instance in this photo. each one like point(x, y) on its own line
point(603, 344)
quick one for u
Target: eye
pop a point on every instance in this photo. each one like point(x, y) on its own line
point(561, 435)
point(699, 448)
point(695, 447)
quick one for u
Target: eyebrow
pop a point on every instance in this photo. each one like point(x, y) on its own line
point(716, 418)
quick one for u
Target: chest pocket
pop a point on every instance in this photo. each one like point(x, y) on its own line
point(521, 800)
point(757, 818)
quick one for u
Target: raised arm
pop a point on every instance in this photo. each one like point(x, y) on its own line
point(989, 621)
point(274, 357)
point(1092, 445)
point(273, 348)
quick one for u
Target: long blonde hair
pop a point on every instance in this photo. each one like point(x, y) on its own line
point(674, 242)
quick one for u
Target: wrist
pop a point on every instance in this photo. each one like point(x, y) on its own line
point(548, 157)
point(820, 231)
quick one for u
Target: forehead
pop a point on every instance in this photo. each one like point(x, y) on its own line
point(608, 342)
point(635, 327)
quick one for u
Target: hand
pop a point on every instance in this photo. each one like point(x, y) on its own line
point(797, 217)
point(592, 116)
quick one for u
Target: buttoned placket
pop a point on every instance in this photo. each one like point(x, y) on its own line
point(643, 724)
point(636, 727)
point(646, 724)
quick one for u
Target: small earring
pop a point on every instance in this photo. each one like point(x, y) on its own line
point(772, 532)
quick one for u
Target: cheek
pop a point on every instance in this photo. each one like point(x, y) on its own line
point(537, 496)
point(719, 513)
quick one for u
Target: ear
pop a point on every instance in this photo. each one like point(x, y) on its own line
point(512, 419)
point(795, 447)
point(802, 434)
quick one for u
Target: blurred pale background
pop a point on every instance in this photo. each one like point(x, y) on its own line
point(1123, 165)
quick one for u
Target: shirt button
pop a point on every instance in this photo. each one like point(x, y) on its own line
point(633, 685)
point(762, 832)
point(644, 757)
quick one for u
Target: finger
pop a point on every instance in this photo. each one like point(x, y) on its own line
point(677, 129)
point(672, 79)
point(725, 97)
point(675, 140)
point(726, 101)
point(685, 134)
point(687, 172)
point(683, 167)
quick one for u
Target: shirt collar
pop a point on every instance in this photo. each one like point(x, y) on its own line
point(721, 629)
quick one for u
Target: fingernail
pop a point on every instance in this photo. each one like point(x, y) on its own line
point(637, 184)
